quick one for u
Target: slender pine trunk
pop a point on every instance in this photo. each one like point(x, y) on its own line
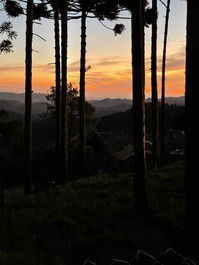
point(154, 84)
point(162, 120)
point(28, 99)
point(70, 127)
point(191, 128)
point(82, 127)
point(58, 88)
point(64, 104)
point(139, 105)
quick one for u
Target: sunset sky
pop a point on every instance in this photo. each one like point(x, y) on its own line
point(108, 56)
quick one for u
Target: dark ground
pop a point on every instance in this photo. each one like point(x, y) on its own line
point(93, 219)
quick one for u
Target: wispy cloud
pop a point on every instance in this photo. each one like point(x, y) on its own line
point(110, 75)
point(12, 68)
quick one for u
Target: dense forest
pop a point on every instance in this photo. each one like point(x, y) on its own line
point(87, 182)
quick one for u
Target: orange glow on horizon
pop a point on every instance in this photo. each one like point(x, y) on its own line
point(106, 78)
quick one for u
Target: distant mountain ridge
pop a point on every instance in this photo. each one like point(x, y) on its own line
point(110, 106)
point(36, 97)
point(17, 107)
point(14, 102)
point(180, 101)
point(110, 102)
point(105, 103)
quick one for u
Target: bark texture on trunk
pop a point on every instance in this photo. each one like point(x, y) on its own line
point(154, 84)
point(28, 99)
point(64, 105)
point(139, 105)
point(162, 120)
point(191, 129)
point(82, 128)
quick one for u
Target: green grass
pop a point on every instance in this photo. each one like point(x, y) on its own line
point(92, 218)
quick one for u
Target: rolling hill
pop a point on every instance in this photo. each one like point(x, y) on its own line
point(13, 102)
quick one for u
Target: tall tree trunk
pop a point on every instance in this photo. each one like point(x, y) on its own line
point(58, 88)
point(191, 129)
point(162, 121)
point(82, 128)
point(139, 105)
point(64, 104)
point(28, 99)
point(154, 84)
point(70, 125)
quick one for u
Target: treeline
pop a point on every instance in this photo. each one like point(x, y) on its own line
point(123, 121)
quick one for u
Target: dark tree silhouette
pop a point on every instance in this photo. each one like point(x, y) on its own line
point(55, 6)
point(162, 116)
point(191, 128)
point(28, 98)
point(82, 93)
point(6, 45)
point(32, 12)
point(138, 22)
point(100, 10)
point(58, 83)
point(154, 83)
point(13, 9)
point(82, 128)
point(64, 105)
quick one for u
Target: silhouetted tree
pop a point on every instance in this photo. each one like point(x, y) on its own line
point(13, 9)
point(73, 107)
point(82, 92)
point(100, 10)
point(64, 104)
point(138, 22)
point(32, 12)
point(55, 6)
point(6, 45)
point(191, 128)
point(154, 83)
point(162, 116)
point(28, 98)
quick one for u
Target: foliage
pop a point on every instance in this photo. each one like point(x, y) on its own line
point(6, 45)
point(129, 4)
point(13, 8)
point(149, 16)
point(41, 10)
point(122, 121)
point(119, 28)
point(7, 27)
point(73, 104)
point(106, 9)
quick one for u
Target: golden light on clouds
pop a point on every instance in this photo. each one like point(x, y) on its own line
point(108, 76)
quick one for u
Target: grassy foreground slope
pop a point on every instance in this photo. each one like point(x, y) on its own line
point(92, 219)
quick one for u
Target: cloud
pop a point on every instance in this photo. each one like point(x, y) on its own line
point(112, 60)
point(12, 68)
point(110, 75)
point(173, 60)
